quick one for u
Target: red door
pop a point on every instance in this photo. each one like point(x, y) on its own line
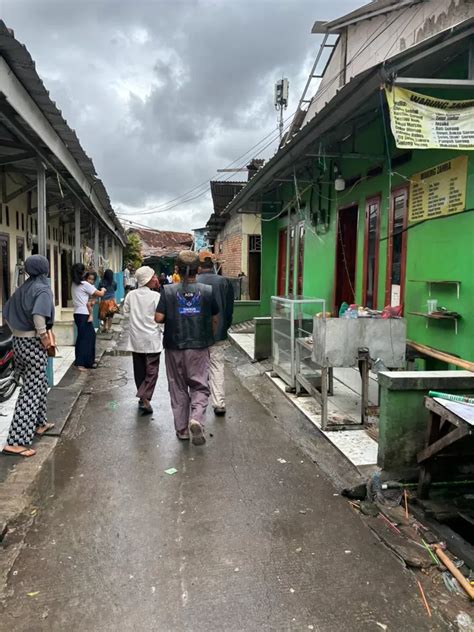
point(346, 251)
point(281, 279)
point(397, 248)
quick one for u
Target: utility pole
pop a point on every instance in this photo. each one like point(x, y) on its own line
point(281, 101)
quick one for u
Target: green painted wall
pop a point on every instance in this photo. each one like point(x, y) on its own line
point(245, 310)
point(436, 249)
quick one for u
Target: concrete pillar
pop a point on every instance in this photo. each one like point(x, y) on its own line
point(96, 245)
point(77, 234)
point(42, 229)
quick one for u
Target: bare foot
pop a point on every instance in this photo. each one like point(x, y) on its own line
point(81, 368)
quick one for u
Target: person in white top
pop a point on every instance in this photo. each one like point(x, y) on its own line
point(145, 335)
point(81, 292)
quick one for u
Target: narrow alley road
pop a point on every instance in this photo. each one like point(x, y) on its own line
point(247, 535)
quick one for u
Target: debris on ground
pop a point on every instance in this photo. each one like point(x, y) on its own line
point(171, 471)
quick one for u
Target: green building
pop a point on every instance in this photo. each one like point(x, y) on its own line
point(349, 215)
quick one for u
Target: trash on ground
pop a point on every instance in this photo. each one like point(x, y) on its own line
point(423, 597)
point(280, 460)
point(33, 594)
point(171, 471)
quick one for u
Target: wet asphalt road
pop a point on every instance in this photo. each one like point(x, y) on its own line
point(234, 541)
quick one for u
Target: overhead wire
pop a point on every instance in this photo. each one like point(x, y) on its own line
point(204, 185)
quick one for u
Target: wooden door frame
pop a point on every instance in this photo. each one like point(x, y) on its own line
point(301, 228)
point(388, 286)
point(377, 198)
point(343, 208)
point(281, 231)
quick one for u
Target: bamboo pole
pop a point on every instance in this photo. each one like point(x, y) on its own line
point(441, 355)
point(455, 572)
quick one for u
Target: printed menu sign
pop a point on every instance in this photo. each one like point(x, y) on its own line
point(422, 122)
point(438, 191)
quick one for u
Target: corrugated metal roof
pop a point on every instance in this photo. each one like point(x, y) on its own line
point(353, 97)
point(162, 243)
point(224, 192)
point(23, 66)
point(376, 7)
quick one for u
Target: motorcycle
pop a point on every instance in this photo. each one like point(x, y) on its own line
point(8, 377)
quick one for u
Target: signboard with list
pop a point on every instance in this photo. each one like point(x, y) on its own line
point(438, 191)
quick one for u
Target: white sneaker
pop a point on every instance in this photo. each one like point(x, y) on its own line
point(197, 432)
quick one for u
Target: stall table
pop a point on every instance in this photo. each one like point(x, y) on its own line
point(449, 422)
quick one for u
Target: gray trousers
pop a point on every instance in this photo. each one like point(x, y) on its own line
point(188, 376)
point(216, 373)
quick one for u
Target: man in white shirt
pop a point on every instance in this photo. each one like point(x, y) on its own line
point(145, 335)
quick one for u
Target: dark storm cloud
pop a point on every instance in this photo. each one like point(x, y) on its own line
point(164, 93)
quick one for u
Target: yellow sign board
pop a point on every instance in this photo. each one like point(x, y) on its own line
point(438, 191)
point(422, 122)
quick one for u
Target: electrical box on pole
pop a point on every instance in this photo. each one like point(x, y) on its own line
point(281, 101)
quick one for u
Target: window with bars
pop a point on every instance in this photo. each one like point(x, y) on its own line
point(255, 243)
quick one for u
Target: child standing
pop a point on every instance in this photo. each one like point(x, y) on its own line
point(108, 305)
point(91, 277)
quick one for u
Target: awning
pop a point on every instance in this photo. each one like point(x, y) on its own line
point(356, 99)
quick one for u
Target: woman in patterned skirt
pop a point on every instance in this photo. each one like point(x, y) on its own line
point(30, 315)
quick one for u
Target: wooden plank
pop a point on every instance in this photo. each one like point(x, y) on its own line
point(444, 413)
point(444, 442)
point(441, 355)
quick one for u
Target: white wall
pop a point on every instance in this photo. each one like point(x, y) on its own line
point(406, 27)
point(61, 236)
point(251, 225)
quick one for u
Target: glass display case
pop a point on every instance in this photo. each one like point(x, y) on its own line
point(292, 318)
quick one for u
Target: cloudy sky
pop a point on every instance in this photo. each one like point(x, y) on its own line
point(162, 93)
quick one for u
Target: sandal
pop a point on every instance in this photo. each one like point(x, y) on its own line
point(41, 430)
point(183, 435)
point(22, 452)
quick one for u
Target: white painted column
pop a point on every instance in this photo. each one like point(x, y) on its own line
point(96, 245)
point(42, 229)
point(77, 234)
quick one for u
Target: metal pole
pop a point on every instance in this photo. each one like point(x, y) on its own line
point(41, 188)
point(77, 234)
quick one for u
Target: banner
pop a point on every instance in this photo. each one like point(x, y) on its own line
point(421, 122)
point(438, 191)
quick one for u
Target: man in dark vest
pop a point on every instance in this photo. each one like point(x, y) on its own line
point(224, 293)
point(189, 311)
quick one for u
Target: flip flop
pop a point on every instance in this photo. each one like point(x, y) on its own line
point(20, 453)
point(183, 435)
point(46, 427)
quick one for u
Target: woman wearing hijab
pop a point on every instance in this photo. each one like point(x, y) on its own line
point(30, 314)
point(108, 305)
point(82, 292)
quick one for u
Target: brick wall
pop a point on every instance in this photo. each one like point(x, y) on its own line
point(228, 247)
point(230, 255)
